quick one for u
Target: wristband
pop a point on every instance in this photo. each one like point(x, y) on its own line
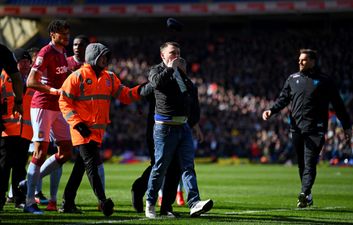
point(54, 91)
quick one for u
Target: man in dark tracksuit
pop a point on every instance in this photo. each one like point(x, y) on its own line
point(310, 92)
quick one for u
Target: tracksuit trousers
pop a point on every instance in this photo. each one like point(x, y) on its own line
point(307, 147)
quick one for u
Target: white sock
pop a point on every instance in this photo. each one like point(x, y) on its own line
point(33, 175)
point(10, 195)
point(49, 165)
point(101, 175)
point(180, 186)
point(54, 183)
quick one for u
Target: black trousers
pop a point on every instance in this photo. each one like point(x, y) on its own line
point(13, 155)
point(307, 147)
point(75, 180)
point(90, 156)
point(172, 176)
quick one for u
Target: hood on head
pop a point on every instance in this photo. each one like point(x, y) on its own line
point(94, 51)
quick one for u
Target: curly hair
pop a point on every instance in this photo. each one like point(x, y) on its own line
point(56, 26)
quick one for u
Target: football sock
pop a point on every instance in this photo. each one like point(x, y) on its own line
point(33, 175)
point(39, 186)
point(49, 165)
point(55, 177)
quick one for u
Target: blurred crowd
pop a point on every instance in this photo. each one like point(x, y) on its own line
point(238, 76)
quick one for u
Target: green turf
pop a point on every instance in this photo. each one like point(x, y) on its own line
point(242, 194)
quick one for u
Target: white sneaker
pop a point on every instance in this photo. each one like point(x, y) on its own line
point(201, 207)
point(150, 211)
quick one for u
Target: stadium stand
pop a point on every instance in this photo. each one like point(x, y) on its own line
point(238, 60)
point(237, 74)
point(39, 2)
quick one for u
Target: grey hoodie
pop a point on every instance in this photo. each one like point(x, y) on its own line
point(94, 51)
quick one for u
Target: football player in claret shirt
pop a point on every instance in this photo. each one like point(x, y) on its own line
point(47, 75)
point(79, 47)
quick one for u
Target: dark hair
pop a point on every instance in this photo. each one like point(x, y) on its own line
point(56, 26)
point(172, 43)
point(33, 50)
point(20, 54)
point(83, 38)
point(310, 52)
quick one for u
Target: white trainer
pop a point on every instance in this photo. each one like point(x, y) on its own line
point(201, 207)
point(150, 211)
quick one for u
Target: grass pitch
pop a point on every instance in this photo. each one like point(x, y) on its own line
point(242, 194)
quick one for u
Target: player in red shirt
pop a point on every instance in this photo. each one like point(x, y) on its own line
point(79, 46)
point(47, 75)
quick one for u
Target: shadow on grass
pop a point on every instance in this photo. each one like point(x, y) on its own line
point(243, 210)
point(212, 218)
point(238, 215)
point(258, 219)
point(24, 218)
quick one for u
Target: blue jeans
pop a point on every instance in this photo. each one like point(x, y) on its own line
point(173, 141)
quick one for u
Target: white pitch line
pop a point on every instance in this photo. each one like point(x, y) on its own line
point(256, 211)
point(278, 210)
point(122, 221)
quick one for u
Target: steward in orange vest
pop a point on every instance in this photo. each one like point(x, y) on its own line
point(14, 124)
point(18, 130)
point(85, 103)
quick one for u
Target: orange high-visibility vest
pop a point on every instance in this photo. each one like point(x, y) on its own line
point(14, 125)
point(86, 98)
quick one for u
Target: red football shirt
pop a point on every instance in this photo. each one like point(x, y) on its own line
point(73, 63)
point(52, 64)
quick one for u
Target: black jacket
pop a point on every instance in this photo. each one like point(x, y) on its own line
point(310, 94)
point(169, 99)
point(7, 60)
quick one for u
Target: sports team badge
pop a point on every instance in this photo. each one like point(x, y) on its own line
point(39, 60)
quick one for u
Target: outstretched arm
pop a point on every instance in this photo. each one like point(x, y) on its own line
point(282, 101)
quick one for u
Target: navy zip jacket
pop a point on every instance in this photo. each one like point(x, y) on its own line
point(310, 94)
